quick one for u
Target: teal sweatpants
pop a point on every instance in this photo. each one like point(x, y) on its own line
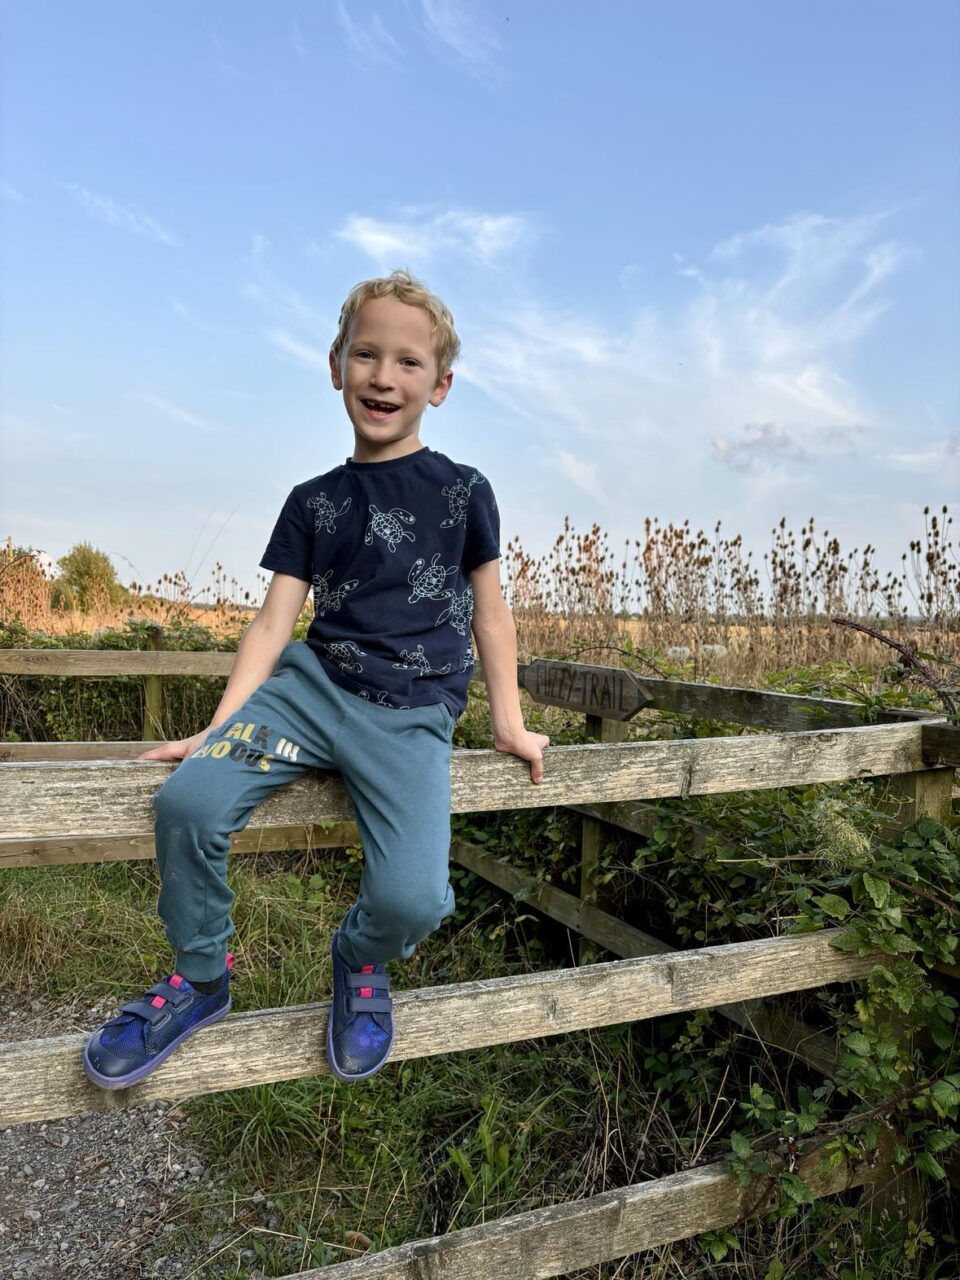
point(395, 764)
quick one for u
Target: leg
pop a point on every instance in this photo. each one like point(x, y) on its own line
point(287, 725)
point(396, 767)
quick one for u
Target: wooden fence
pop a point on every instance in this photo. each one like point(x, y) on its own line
point(80, 802)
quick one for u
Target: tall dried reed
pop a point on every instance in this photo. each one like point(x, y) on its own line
point(688, 594)
point(677, 592)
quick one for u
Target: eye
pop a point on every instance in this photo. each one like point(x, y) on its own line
point(411, 363)
point(360, 354)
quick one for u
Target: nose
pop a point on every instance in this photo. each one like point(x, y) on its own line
point(380, 377)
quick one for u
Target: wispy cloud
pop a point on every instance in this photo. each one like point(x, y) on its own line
point(10, 192)
point(762, 342)
point(770, 445)
point(107, 210)
point(171, 410)
point(274, 296)
point(941, 458)
point(458, 29)
point(297, 40)
point(225, 63)
point(581, 471)
point(485, 237)
point(312, 357)
point(369, 40)
point(202, 326)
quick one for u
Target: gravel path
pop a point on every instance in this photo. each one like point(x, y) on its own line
point(89, 1196)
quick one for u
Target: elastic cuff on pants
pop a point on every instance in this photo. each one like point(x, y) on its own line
point(200, 968)
point(347, 952)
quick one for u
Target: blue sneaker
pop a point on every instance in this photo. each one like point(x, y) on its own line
point(360, 1027)
point(147, 1031)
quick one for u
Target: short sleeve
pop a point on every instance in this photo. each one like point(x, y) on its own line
point(482, 542)
point(290, 549)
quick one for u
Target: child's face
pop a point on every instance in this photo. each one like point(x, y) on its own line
point(388, 360)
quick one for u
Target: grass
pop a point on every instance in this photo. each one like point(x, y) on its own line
point(313, 1171)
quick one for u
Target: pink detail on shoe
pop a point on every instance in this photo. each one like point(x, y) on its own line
point(229, 959)
point(366, 991)
point(176, 981)
point(158, 1002)
point(366, 968)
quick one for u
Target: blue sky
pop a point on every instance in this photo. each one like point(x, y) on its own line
point(704, 260)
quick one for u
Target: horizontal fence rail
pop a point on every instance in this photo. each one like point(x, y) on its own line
point(116, 662)
point(614, 692)
point(113, 798)
point(764, 1018)
point(44, 1079)
point(76, 802)
point(582, 1233)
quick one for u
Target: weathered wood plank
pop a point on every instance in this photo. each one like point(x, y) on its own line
point(58, 751)
point(88, 797)
point(56, 851)
point(613, 693)
point(911, 796)
point(582, 917)
point(941, 744)
point(641, 818)
point(765, 710)
point(762, 1017)
point(592, 831)
point(758, 707)
point(43, 1079)
point(582, 1233)
point(114, 662)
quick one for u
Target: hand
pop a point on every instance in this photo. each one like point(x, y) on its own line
point(177, 750)
point(528, 746)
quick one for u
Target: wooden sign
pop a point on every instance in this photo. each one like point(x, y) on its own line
point(611, 692)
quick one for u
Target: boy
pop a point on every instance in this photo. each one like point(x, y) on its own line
point(401, 548)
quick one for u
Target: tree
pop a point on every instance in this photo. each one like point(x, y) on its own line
point(87, 579)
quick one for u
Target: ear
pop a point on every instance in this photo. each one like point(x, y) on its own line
point(335, 373)
point(441, 389)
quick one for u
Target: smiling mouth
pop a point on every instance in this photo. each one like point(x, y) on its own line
point(382, 408)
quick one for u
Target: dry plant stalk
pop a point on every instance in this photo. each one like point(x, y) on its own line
point(686, 594)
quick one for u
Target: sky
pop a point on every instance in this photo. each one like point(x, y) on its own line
point(704, 261)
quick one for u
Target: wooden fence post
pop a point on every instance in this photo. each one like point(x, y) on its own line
point(153, 694)
point(599, 729)
point(912, 796)
point(908, 797)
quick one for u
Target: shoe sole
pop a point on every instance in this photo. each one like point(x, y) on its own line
point(331, 1059)
point(133, 1077)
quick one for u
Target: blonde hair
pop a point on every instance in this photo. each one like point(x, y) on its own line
point(405, 287)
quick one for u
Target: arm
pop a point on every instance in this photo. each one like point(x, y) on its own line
point(257, 655)
point(495, 634)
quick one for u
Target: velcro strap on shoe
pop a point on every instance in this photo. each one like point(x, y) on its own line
point(370, 1004)
point(144, 1009)
point(176, 998)
point(357, 980)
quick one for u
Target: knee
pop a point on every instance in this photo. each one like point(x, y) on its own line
point(418, 911)
point(181, 803)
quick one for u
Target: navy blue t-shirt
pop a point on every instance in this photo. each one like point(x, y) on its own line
point(389, 548)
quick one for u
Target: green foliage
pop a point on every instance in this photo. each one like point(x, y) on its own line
point(87, 580)
point(79, 709)
point(451, 1141)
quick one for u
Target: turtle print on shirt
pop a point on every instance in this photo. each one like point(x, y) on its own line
point(389, 549)
point(325, 514)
